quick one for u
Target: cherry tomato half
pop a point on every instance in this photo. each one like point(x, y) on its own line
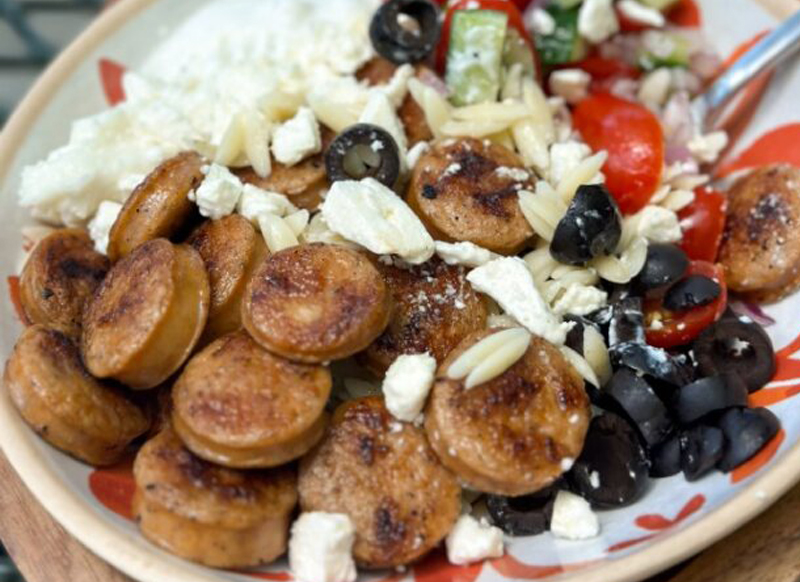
point(515, 21)
point(680, 328)
point(634, 140)
point(605, 71)
point(703, 223)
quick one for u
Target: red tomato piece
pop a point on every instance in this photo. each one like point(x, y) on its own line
point(677, 329)
point(703, 223)
point(634, 140)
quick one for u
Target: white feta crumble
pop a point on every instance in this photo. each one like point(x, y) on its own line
point(516, 174)
point(541, 22)
point(451, 170)
point(566, 463)
point(471, 541)
point(321, 546)
point(657, 224)
point(707, 148)
point(739, 346)
point(297, 139)
point(565, 157)
point(100, 225)
point(407, 384)
point(571, 84)
point(641, 14)
point(464, 253)
point(573, 518)
point(509, 282)
point(218, 194)
point(655, 87)
point(580, 300)
point(597, 20)
point(594, 480)
point(415, 153)
point(372, 215)
point(254, 203)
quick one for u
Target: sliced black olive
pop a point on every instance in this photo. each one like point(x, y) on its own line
point(641, 404)
point(665, 265)
point(405, 31)
point(363, 151)
point(612, 469)
point(654, 362)
point(693, 291)
point(627, 322)
point(591, 227)
point(701, 450)
point(736, 347)
point(746, 432)
point(528, 515)
point(665, 459)
point(707, 395)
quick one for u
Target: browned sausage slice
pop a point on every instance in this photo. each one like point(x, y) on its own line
point(59, 278)
point(510, 435)
point(466, 190)
point(58, 398)
point(435, 308)
point(231, 249)
point(761, 246)
point(159, 207)
point(219, 517)
point(385, 477)
point(147, 316)
point(316, 303)
point(238, 405)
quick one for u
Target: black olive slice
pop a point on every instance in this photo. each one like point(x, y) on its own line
point(641, 404)
point(665, 265)
point(736, 347)
point(693, 291)
point(528, 515)
point(654, 362)
point(707, 395)
point(665, 459)
point(746, 432)
point(627, 322)
point(591, 227)
point(363, 151)
point(612, 469)
point(701, 450)
point(405, 31)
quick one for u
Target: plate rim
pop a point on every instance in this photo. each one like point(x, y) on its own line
point(137, 558)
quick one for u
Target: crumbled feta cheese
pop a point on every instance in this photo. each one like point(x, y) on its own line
point(516, 174)
point(656, 224)
point(451, 170)
point(406, 385)
point(297, 139)
point(565, 158)
point(541, 22)
point(580, 300)
point(654, 88)
point(255, 203)
point(641, 14)
point(509, 282)
point(707, 148)
point(464, 253)
point(219, 193)
point(471, 541)
point(594, 480)
point(370, 214)
point(100, 225)
point(380, 111)
point(739, 346)
point(571, 84)
point(415, 153)
point(321, 546)
point(597, 20)
point(573, 518)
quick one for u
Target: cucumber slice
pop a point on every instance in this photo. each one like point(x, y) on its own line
point(661, 5)
point(663, 49)
point(475, 57)
point(565, 45)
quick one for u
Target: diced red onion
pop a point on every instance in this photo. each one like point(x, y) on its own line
point(705, 64)
point(677, 153)
point(752, 311)
point(431, 79)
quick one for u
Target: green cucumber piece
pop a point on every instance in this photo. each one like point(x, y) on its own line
point(661, 5)
point(565, 44)
point(475, 56)
point(518, 51)
point(665, 50)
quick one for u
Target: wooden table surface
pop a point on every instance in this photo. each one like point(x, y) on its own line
point(765, 550)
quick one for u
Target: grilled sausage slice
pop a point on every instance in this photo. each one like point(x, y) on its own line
point(219, 517)
point(59, 278)
point(159, 207)
point(466, 190)
point(435, 308)
point(515, 434)
point(761, 246)
point(231, 249)
point(63, 403)
point(316, 303)
point(238, 405)
point(385, 477)
point(147, 315)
